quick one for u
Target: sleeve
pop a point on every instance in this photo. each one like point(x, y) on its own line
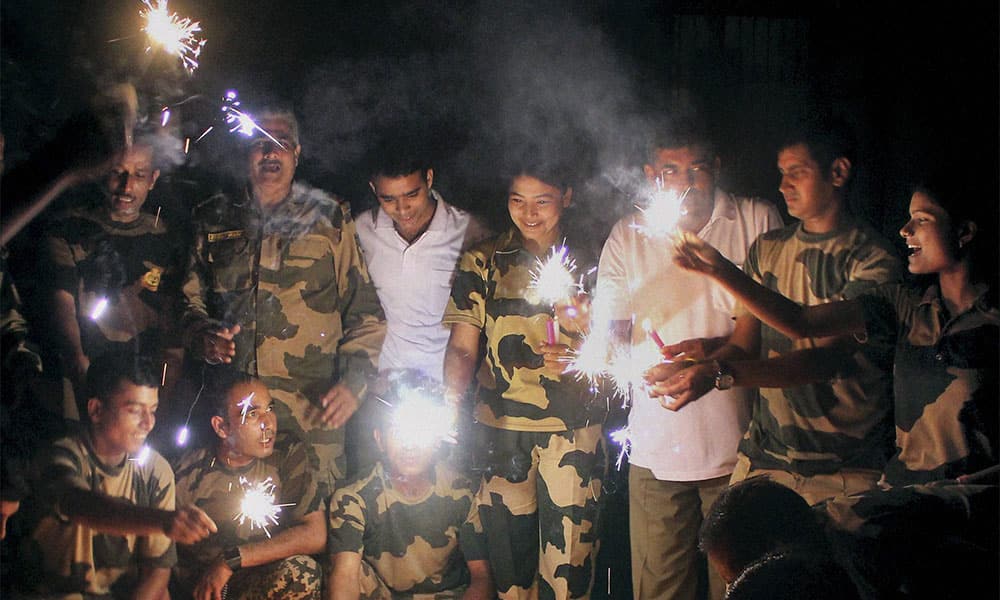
point(157, 550)
point(872, 264)
point(61, 265)
point(298, 483)
point(347, 522)
point(884, 307)
point(56, 470)
point(195, 319)
point(361, 313)
point(613, 277)
point(467, 303)
point(471, 537)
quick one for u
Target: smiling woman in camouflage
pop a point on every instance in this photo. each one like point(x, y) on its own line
point(544, 457)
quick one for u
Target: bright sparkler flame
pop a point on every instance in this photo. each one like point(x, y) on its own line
point(552, 278)
point(257, 505)
point(99, 309)
point(182, 436)
point(176, 35)
point(240, 121)
point(143, 455)
point(422, 420)
point(662, 213)
point(245, 405)
point(591, 359)
point(628, 365)
point(622, 437)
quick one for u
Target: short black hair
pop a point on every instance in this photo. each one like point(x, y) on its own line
point(678, 133)
point(827, 139)
point(398, 156)
point(224, 379)
point(757, 516)
point(793, 575)
point(109, 370)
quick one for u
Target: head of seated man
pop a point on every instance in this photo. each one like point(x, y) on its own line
point(243, 419)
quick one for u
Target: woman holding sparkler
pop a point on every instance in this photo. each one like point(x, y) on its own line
point(539, 428)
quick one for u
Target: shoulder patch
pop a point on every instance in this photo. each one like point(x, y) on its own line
point(233, 234)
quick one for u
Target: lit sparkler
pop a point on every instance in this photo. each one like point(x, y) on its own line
point(164, 116)
point(99, 308)
point(257, 505)
point(176, 35)
point(629, 364)
point(661, 214)
point(647, 326)
point(245, 405)
point(421, 419)
point(182, 435)
point(143, 455)
point(240, 121)
point(552, 279)
point(623, 438)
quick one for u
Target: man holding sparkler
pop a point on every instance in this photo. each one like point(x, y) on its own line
point(103, 501)
point(821, 439)
point(412, 241)
point(410, 526)
point(115, 270)
point(679, 461)
point(262, 491)
point(278, 287)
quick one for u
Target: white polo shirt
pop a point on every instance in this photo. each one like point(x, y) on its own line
point(638, 277)
point(414, 282)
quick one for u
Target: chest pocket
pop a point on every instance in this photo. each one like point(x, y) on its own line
point(230, 261)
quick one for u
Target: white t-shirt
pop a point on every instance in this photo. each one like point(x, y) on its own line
point(638, 279)
point(413, 283)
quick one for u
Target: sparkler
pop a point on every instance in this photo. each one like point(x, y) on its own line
point(182, 435)
point(647, 326)
point(421, 418)
point(245, 405)
point(628, 365)
point(143, 455)
point(552, 278)
point(99, 309)
point(257, 505)
point(176, 35)
point(623, 438)
point(661, 214)
point(240, 121)
point(164, 116)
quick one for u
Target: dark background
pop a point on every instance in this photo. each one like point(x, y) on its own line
point(919, 86)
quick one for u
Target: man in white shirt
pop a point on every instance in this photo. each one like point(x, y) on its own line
point(412, 241)
point(679, 462)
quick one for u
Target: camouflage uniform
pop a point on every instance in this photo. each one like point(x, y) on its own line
point(216, 489)
point(830, 438)
point(410, 549)
point(135, 266)
point(295, 281)
point(541, 443)
point(945, 382)
point(66, 560)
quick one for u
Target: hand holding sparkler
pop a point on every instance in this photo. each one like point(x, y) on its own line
point(678, 383)
point(218, 345)
point(257, 505)
point(188, 525)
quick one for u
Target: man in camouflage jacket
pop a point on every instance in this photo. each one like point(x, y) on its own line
point(277, 285)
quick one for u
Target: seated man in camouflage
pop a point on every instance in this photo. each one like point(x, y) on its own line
point(409, 527)
point(252, 556)
point(102, 517)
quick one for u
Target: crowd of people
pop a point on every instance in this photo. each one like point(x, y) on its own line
point(809, 408)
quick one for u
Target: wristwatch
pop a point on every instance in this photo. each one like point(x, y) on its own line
point(723, 376)
point(232, 557)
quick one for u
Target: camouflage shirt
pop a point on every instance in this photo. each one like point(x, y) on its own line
point(415, 546)
point(945, 383)
point(68, 559)
point(135, 267)
point(516, 392)
point(215, 488)
point(844, 423)
point(295, 281)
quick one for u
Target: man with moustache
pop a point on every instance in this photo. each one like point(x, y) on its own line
point(115, 270)
point(277, 285)
point(412, 241)
point(249, 450)
point(679, 461)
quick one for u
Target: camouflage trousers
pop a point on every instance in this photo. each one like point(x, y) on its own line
point(814, 488)
point(374, 588)
point(297, 577)
point(325, 446)
point(540, 503)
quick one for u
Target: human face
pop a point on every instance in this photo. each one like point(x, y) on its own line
point(129, 182)
point(405, 458)
point(407, 200)
point(122, 422)
point(930, 235)
point(271, 164)
point(535, 207)
point(251, 425)
point(807, 186)
point(689, 169)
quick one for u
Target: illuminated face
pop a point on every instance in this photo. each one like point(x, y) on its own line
point(129, 182)
point(688, 169)
point(405, 456)
point(251, 424)
point(930, 237)
point(269, 163)
point(535, 207)
point(407, 200)
point(807, 187)
point(122, 422)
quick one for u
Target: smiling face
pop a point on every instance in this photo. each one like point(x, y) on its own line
point(536, 207)
point(122, 421)
point(269, 164)
point(407, 200)
point(250, 426)
point(932, 239)
point(129, 183)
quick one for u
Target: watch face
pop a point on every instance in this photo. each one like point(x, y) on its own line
point(724, 381)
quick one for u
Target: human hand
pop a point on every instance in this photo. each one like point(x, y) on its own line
point(218, 345)
point(682, 386)
point(694, 254)
point(574, 313)
point(686, 350)
point(209, 586)
point(337, 406)
point(557, 357)
point(188, 524)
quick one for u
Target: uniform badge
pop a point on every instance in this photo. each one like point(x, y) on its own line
point(151, 280)
point(219, 236)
